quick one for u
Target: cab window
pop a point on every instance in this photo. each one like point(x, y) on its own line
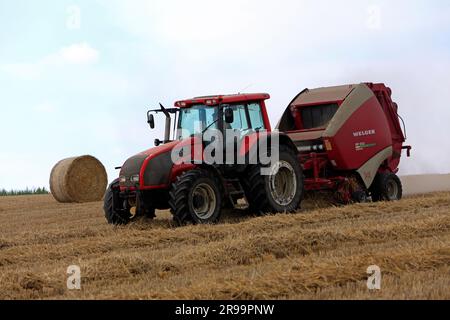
point(256, 117)
point(240, 118)
point(246, 116)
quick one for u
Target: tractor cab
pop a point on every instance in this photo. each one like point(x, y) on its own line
point(242, 113)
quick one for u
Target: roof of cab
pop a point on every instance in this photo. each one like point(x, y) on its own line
point(216, 99)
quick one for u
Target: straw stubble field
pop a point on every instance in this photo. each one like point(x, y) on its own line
point(319, 253)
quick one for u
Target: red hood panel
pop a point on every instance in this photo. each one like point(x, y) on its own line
point(159, 149)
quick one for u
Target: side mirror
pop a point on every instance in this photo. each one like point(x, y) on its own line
point(229, 115)
point(151, 121)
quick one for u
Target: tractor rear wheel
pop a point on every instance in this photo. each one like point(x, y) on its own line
point(281, 191)
point(386, 187)
point(196, 197)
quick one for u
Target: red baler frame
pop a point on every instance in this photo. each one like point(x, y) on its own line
point(316, 163)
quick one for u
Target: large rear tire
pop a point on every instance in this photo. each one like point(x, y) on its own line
point(386, 187)
point(195, 197)
point(281, 191)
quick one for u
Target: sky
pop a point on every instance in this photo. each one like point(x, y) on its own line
point(77, 77)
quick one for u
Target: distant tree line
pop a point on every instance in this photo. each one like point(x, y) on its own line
point(27, 191)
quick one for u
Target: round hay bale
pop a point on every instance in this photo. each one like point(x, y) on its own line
point(79, 179)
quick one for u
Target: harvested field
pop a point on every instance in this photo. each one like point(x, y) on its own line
point(316, 254)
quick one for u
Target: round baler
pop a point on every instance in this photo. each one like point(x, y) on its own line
point(349, 139)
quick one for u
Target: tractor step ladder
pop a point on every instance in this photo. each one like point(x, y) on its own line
point(236, 194)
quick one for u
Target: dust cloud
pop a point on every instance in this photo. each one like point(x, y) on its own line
point(426, 183)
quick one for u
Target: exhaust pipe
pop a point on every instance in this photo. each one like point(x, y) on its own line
point(168, 123)
point(167, 129)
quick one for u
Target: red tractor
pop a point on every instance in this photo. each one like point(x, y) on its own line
point(346, 139)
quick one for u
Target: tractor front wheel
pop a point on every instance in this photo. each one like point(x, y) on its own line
point(195, 197)
point(112, 214)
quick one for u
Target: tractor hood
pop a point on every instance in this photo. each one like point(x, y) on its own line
point(159, 149)
point(150, 168)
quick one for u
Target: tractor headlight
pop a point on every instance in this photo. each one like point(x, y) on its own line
point(122, 179)
point(135, 178)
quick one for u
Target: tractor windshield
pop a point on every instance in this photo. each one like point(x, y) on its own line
point(247, 118)
point(195, 119)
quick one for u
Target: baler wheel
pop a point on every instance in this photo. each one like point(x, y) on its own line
point(196, 197)
point(282, 192)
point(386, 187)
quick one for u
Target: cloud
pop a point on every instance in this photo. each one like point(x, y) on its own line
point(203, 28)
point(45, 107)
point(78, 54)
point(22, 70)
point(75, 54)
